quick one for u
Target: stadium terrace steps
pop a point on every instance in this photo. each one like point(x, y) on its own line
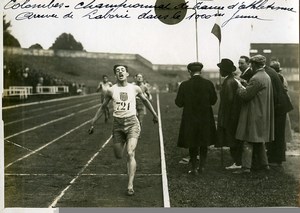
point(88, 71)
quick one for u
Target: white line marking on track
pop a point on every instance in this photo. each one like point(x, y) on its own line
point(42, 108)
point(18, 145)
point(47, 144)
point(49, 122)
point(47, 101)
point(36, 116)
point(163, 161)
point(138, 174)
point(14, 174)
point(53, 204)
point(39, 126)
point(102, 175)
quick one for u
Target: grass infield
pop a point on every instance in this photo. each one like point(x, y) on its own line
point(218, 187)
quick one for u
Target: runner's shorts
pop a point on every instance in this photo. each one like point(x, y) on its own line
point(125, 128)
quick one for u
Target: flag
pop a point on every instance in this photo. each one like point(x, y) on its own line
point(216, 30)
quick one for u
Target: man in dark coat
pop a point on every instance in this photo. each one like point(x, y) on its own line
point(228, 114)
point(282, 105)
point(197, 129)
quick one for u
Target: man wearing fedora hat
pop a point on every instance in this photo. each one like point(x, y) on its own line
point(197, 128)
point(228, 114)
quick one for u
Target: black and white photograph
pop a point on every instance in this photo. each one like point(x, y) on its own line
point(150, 105)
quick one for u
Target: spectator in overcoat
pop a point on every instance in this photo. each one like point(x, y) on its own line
point(282, 105)
point(228, 114)
point(197, 129)
point(256, 121)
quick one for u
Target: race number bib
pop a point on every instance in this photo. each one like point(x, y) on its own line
point(122, 106)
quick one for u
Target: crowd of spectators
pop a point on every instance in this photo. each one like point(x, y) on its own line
point(17, 75)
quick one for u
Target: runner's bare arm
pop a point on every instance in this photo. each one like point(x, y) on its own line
point(147, 103)
point(147, 92)
point(107, 98)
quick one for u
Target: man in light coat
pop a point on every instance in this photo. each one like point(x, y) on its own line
point(256, 121)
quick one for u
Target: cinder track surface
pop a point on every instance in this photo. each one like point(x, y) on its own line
point(51, 161)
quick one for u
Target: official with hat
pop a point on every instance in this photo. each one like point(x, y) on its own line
point(197, 129)
point(226, 64)
point(228, 113)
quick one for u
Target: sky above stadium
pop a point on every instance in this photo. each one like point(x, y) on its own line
point(130, 26)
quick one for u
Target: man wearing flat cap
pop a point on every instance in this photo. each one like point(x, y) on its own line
point(228, 114)
point(256, 120)
point(197, 128)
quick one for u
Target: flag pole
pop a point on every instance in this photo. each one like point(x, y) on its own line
point(220, 84)
point(216, 30)
point(196, 27)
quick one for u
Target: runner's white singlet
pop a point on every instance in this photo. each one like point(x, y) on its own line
point(124, 100)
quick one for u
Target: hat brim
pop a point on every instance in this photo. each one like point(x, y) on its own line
point(232, 68)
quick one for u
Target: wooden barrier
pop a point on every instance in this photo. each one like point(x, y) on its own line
point(24, 91)
point(52, 89)
point(46, 90)
point(20, 91)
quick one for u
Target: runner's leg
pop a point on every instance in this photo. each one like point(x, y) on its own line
point(131, 163)
point(119, 150)
point(105, 114)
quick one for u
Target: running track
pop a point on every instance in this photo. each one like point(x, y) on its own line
point(51, 161)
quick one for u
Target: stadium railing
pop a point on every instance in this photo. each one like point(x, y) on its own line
point(52, 89)
point(24, 91)
point(20, 91)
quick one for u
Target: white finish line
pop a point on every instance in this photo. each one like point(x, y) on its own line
point(166, 196)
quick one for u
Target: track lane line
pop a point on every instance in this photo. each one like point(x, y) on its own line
point(49, 122)
point(46, 101)
point(53, 204)
point(44, 107)
point(22, 147)
point(166, 196)
point(92, 174)
point(36, 116)
point(47, 144)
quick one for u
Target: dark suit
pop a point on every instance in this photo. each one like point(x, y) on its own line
point(197, 128)
point(282, 105)
point(228, 117)
point(246, 75)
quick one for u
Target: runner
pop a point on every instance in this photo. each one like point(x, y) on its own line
point(126, 127)
point(102, 88)
point(140, 107)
